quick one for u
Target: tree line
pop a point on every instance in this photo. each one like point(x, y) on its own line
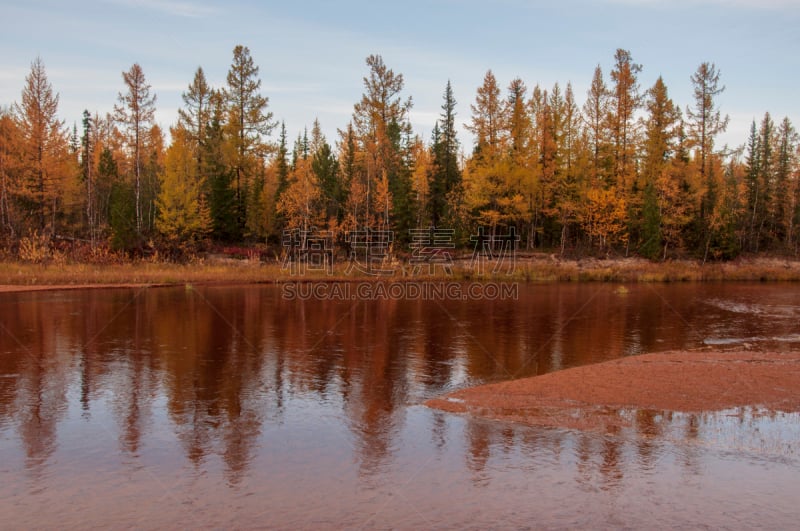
point(625, 170)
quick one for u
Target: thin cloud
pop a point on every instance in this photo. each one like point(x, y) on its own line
point(743, 4)
point(174, 8)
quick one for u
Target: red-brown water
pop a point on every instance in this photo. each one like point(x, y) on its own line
point(231, 407)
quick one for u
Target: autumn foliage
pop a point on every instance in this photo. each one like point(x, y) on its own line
point(620, 170)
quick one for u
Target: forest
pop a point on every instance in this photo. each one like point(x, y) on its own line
point(621, 170)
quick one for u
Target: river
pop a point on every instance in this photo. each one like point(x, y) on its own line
point(232, 406)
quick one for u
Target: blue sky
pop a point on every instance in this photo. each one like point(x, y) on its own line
point(311, 53)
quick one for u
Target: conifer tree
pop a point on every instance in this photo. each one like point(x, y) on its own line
point(248, 123)
point(9, 138)
point(219, 176)
point(87, 172)
point(326, 169)
point(135, 114)
point(784, 167)
point(485, 185)
point(446, 175)
point(755, 198)
point(195, 114)
point(595, 112)
point(766, 179)
point(43, 147)
point(660, 131)
point(706, 123)
point(381, 126)
point(183, 215)
point(624, 102)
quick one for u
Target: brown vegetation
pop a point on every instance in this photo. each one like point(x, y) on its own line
point(59, 269)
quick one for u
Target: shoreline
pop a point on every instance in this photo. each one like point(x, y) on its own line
point(540, 268)
point(26, 288)
point(595, 397)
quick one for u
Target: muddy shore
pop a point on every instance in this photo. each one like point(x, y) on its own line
point(601, 396)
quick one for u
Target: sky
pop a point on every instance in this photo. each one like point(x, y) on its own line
point(312, 53)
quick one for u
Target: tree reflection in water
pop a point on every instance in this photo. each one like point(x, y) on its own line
point(232, 373)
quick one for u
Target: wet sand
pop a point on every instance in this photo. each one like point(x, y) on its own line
point(599, 397)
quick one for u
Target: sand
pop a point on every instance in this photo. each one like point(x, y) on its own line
point(593, 397)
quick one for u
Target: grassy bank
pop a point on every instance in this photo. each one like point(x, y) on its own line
point(543, 268)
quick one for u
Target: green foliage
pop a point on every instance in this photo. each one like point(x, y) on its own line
point(446, 175)
point(651, 225)
point(326, 168)
point(122, 217)
point(219, 184)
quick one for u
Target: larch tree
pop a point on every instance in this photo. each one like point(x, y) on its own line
point(571, 132)
point(195, 115)
point(43, 147)
point(134, 114)
point(624, 101)
point(488, 119)
point(517, 154)
point(603, 217)
point(545, 108)
point(674, 191)
point(660, 131)
point(569, 146)
point(9, 138)
point(317, 137)
point(484, 176)
point(248, 123)
point(422, 181)
point(705, 121)
point(356, 186)
point(518, 122)
point(183, 215)
point(301, 203)
point(595, 113)
point(381, 125)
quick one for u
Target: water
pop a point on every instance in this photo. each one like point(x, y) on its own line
point(231, 407)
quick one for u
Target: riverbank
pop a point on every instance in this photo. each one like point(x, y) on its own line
point(530, 268)
point(596, 397)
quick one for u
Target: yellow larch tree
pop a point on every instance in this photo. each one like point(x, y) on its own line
point(300, 204)
point(183, 215)
point(43, 148)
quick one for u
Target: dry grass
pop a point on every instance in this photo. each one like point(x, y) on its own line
point(539, 268)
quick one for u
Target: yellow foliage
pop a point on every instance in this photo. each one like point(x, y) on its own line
point(300, 203)
point(603, 216)
point(182, 211)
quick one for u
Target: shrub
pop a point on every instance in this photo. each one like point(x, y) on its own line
point(34, 248)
